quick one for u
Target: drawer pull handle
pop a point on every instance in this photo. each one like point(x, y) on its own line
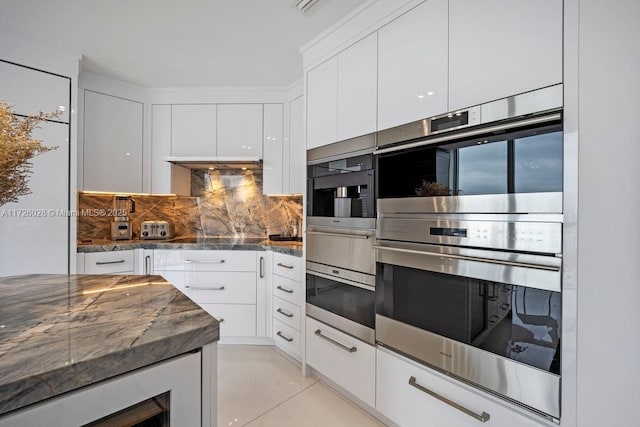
point(289, 291)
point(334, 342)
point(290, 267)
point(195, 261)
point(109, 262)
point(281, 335)
point(205, 288)
point(284, 313)
point(483, 418)
point(504, 306)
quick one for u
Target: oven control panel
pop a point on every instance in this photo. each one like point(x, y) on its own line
point(350, 275)
point(542, 237)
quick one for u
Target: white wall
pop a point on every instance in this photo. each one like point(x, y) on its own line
point(608, 247)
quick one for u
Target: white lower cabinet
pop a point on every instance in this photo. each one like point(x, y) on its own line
point(230, 285)
point(286, 299)
point(112, 262)
point(405, 395)
point(236, 320)
point(345, 360)
point(287, 338)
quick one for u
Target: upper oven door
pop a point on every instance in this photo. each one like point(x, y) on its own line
point(511, 168)
point(351, 249)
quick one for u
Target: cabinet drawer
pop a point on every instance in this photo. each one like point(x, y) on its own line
point(345, 360)
point(287, 266)
point(286, 312)
point(220, 261)
point(167, 259)
point(220, 287)
point(236, 320)
point(409, 405)
point(287, 289)
point(286, 338)
point(108, 262)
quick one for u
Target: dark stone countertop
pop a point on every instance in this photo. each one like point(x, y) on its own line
point(62, 332)
point(195, 243)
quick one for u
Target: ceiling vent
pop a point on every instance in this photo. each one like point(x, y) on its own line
point(305, 5)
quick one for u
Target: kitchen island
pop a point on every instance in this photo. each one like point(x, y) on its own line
point(62, 334)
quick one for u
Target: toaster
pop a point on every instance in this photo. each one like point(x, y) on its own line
point(156, 230)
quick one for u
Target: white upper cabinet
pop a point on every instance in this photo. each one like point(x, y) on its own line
point(32, 91)
point(499, 48)
point(297, 152)
point(112, 143)
point(240, 130)
point(193, 130)
point(322, 103)
point(272, 181)
point(161, 148)
point(357, 89)
point(412, 65)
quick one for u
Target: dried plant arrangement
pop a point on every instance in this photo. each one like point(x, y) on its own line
point(432, 189)
point(17, 148)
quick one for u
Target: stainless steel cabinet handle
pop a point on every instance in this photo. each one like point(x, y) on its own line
point(483, 418)
point(290, 267)
point(109, 262)
point(325, 233)
point(289, 291)
point(353, 349)
point(197, 261)
point(284, 313)
point(281, 335)
point(147, 265)
point(261, 267)
point(205, 288)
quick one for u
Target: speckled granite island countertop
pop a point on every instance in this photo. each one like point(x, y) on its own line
point(62, 332)
point(196, 243)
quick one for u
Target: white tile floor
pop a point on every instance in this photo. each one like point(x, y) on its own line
point(257, 386)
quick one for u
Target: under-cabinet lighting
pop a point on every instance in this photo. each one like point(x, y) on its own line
point(125, 194)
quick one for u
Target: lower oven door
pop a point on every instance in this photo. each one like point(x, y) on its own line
point(346, 305)
point(492, 319)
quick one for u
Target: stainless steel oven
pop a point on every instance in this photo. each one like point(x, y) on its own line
point(477, 298)
point(340, 269)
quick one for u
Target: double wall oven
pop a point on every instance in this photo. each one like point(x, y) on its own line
point(469, 246)
point(340, 273)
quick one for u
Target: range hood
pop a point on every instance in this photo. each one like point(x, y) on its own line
point(196, 162)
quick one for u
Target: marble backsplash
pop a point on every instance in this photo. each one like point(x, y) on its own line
point(223, 203)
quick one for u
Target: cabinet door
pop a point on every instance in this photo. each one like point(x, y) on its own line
point(297, 151)
point(412, 65)
point(160, 148)
point(112, 143)
point(240, 130)
point(408, 405)
point(31, 91)
point(357, 89)
point(272, 179)
point(499, 48)
point(348, 362)
point(322, 103)
point(193, 130)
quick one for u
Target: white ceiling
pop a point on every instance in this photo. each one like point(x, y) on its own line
point(177, 43)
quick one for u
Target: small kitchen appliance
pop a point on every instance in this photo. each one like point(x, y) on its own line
point(121, 225)
point(156, 230)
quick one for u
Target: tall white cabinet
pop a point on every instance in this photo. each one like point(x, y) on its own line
point(412, 65)
point(499, 48)
point(34, 231)
point(112, 136)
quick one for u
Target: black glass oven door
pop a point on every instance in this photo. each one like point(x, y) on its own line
point(352, 302)
point(516, 322)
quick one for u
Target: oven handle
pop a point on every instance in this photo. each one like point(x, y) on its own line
point(472, 133)
point(341, 280)
point(470, 258)
point(483, 418)
point(324, 233)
